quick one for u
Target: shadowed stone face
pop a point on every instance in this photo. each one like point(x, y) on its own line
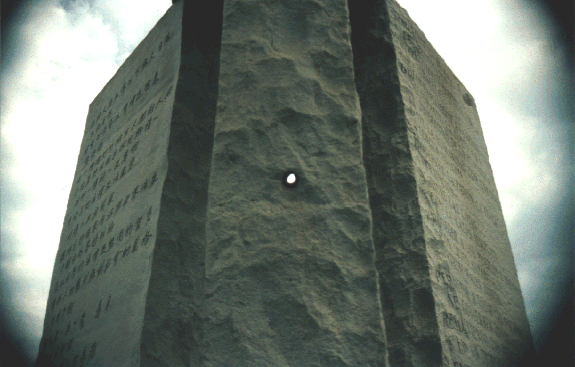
point(284, 183)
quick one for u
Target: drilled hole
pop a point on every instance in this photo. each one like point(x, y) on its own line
point(290, 179)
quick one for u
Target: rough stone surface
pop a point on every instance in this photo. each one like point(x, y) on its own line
point(290, 274)
point(183, 247)
point(173, 325)
point(449, 286)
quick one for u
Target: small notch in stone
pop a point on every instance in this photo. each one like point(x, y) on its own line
point(468, 100)
point(290, 179)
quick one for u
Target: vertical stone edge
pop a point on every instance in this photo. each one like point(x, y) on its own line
point(401, 261)
point(479, 306)
point(478, 303)
point(172, 332)
point(289, 278)
point(97, 297)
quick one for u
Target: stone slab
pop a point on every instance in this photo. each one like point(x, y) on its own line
point(290, 274)
point(450, 291)
point(100, 281)
point(184, 245)
point(174, 318)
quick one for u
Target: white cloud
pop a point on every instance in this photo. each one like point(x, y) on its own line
point(525, 174)
point(66, 60)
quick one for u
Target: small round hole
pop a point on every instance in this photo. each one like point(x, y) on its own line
point(290, 179)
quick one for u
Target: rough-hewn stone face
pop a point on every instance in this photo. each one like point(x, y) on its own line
point(183, 245)
point(290, 275)
point(398, 235)
point(478, 301)
point(173, 326)
point(450, 291)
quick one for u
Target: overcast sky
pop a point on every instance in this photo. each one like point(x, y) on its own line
point(508, 54)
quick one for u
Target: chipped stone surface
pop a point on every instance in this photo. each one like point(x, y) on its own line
point(173, 327)
point(182, 245)
point(100, 281)
point(290, 275)
point(450, 291)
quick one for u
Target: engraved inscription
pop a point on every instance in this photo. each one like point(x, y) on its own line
point(110, 221)
point(460, 209)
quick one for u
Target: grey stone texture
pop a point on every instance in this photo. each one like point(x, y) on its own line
point(181, 245)
point(449, 285)
point(290, 272)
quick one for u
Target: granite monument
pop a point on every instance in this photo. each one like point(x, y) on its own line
point(284, 183)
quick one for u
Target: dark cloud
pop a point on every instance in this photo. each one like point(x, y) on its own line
point(12, 341)
point(546, 249)
point(551, 224)
point(13, 14)
point(17, 346)
point(557, 344)
point(545, 233)
point(562, 12)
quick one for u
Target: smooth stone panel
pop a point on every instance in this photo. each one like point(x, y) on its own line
point(100, 281)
